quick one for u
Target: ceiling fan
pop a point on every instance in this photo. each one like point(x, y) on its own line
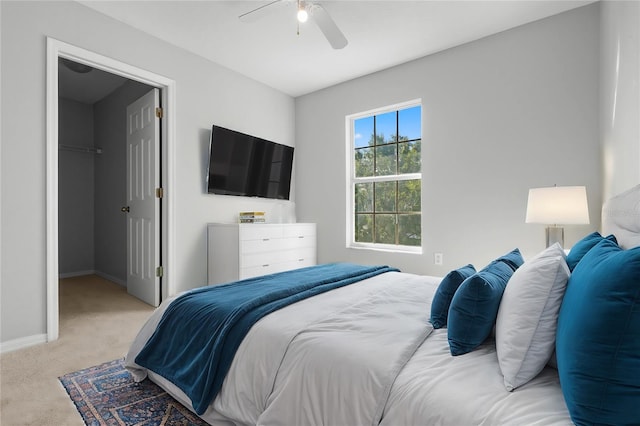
point(306, 9)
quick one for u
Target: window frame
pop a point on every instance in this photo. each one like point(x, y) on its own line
point(352, 180)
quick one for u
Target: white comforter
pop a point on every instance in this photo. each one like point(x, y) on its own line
point(365, 354)
point(330, 360)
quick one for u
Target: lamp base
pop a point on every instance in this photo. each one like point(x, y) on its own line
point(555, 234)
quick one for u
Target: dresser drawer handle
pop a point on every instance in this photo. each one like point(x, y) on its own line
point(265, 239)
point(300, 236)
point(300, 260)
point(265, 265)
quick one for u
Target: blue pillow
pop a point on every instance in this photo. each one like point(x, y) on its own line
point(581, 248)
point(598, 337)
point(474, 307)
point(444, 294)
point(513, 259)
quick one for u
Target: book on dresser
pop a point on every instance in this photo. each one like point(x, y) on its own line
point(236, 251)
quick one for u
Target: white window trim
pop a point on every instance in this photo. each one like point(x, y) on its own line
point(351, 180)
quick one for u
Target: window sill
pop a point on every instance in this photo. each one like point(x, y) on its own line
point(386, 248)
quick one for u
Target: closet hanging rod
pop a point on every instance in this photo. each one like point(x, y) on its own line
point(86, 149)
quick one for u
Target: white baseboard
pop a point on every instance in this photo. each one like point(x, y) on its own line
point(111, 278)
point(76, 274)
point(21, 343)
point(94, 272)
point(25, 342)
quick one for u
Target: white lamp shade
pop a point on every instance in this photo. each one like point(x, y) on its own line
point(558, 205)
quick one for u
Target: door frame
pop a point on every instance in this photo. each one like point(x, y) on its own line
point(59, 49)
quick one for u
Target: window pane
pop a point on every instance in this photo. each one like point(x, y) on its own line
point(364, 162)
point(364, 228)
point(385, 229)
point(386, 160)
point(409, 229)
point(385, 196)
point(409, 157)
point(409, 195)
point(363, 132)
point(387, 144)
point(364, 197)
point(386, 129)
point(409, 126)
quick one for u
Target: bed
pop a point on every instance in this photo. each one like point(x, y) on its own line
point(372, 352)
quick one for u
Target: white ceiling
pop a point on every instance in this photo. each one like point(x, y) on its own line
point(381, 34)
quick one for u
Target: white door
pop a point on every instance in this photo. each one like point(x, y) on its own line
point(143, 206)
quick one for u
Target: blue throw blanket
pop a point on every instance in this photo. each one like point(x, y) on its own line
point(200, 331)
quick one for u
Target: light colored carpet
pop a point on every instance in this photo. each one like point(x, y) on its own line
point(98, 321)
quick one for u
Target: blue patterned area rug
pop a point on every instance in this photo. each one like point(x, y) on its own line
point(107, 395)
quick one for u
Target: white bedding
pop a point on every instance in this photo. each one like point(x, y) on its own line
point(436, 388)
point(346, 357)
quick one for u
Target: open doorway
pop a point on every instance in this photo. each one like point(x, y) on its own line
point(92, 170)
point(57, 51)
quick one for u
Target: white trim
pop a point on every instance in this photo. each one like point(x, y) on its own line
point(387, 178)
point(389, 108)
point(21, 343)
point(349, 138)
point(52, 190)
point(55, 49)
point(389, 248)
point(100, 274)
point(1, 169)
point(77, 274)
point(111, 278)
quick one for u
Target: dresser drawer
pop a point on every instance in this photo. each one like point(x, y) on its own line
point(256, 271)
point(299, 242)
point(296, 264)
point(299, 229)
point(260, 259)
point(261, 246)
point(298, 255)
point(259, 231)
point(286, 260)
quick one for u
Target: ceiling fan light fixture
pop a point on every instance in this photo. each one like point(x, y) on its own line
point(307, 9)
point(302, 13)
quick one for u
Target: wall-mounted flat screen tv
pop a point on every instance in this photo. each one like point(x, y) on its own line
point(249, 166)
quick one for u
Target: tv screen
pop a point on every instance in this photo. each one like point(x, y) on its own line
point(245, 165)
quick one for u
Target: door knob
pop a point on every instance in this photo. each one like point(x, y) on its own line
point(125, 209)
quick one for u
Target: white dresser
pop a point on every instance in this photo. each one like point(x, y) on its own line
point(239, 251)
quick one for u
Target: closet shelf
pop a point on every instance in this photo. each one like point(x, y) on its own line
point(86, 149)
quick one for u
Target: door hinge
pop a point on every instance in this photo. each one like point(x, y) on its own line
point(159, 112)
point(159, 192)
point(159, 271)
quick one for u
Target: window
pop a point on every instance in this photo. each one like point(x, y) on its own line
point(385, 178)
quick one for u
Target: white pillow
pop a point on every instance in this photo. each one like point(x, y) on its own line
point(528, 316)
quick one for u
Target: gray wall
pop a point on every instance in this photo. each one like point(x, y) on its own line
point(206, 93)
point(75, 196)
point(500, 115)
point(620, 95)
point(110, 133)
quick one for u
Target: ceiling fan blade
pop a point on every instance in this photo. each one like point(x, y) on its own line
point(260, 12)
point(328, 26)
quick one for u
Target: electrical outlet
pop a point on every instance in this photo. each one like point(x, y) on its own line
point(437, 258)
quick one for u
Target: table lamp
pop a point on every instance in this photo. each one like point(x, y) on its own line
point(557, 205)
